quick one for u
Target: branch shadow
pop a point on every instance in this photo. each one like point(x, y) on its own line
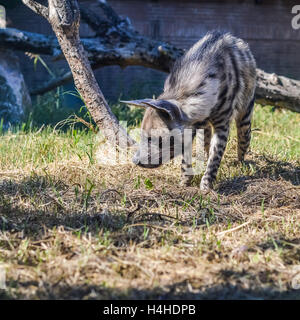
point(47, 212)
point(175, 291)
point(274, 170)
point(33, 223)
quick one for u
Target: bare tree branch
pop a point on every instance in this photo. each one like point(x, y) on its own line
point(110, 12)
point(52, 84)
point(37, 8)
point(138, 51)
point(100, 26)
point(112, 32)
point(28, 41)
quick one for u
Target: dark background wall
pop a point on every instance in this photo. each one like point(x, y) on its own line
point(265, 24)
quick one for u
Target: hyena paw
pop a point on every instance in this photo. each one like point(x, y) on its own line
point(205, 185)
point(186, 181)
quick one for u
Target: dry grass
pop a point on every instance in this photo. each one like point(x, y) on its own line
point(74, 229)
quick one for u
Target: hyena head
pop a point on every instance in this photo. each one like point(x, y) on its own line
point(161, 132)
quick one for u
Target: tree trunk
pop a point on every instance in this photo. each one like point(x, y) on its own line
point(64, 17)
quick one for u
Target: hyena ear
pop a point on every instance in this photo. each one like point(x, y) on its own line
point(163, 105)
point(166, 106)
point(137, 103)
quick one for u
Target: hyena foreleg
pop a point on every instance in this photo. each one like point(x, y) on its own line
point(243, 125)
point(186, 171)
point(216, 151)
point(207, 139)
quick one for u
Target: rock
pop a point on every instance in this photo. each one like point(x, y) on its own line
point(14, 97)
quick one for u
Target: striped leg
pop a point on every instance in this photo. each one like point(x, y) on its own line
point(186, 172)
point(216, 151)
point(207, 138)
point(243, 125)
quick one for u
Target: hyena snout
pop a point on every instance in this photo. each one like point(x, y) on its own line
point(136, 158)
point(153, 155)
point(146, 160)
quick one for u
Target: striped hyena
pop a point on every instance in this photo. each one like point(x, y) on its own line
point(211, 84)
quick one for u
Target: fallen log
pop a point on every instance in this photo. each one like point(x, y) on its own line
point(278, 91)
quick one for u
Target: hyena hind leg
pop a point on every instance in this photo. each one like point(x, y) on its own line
point(243, 125)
